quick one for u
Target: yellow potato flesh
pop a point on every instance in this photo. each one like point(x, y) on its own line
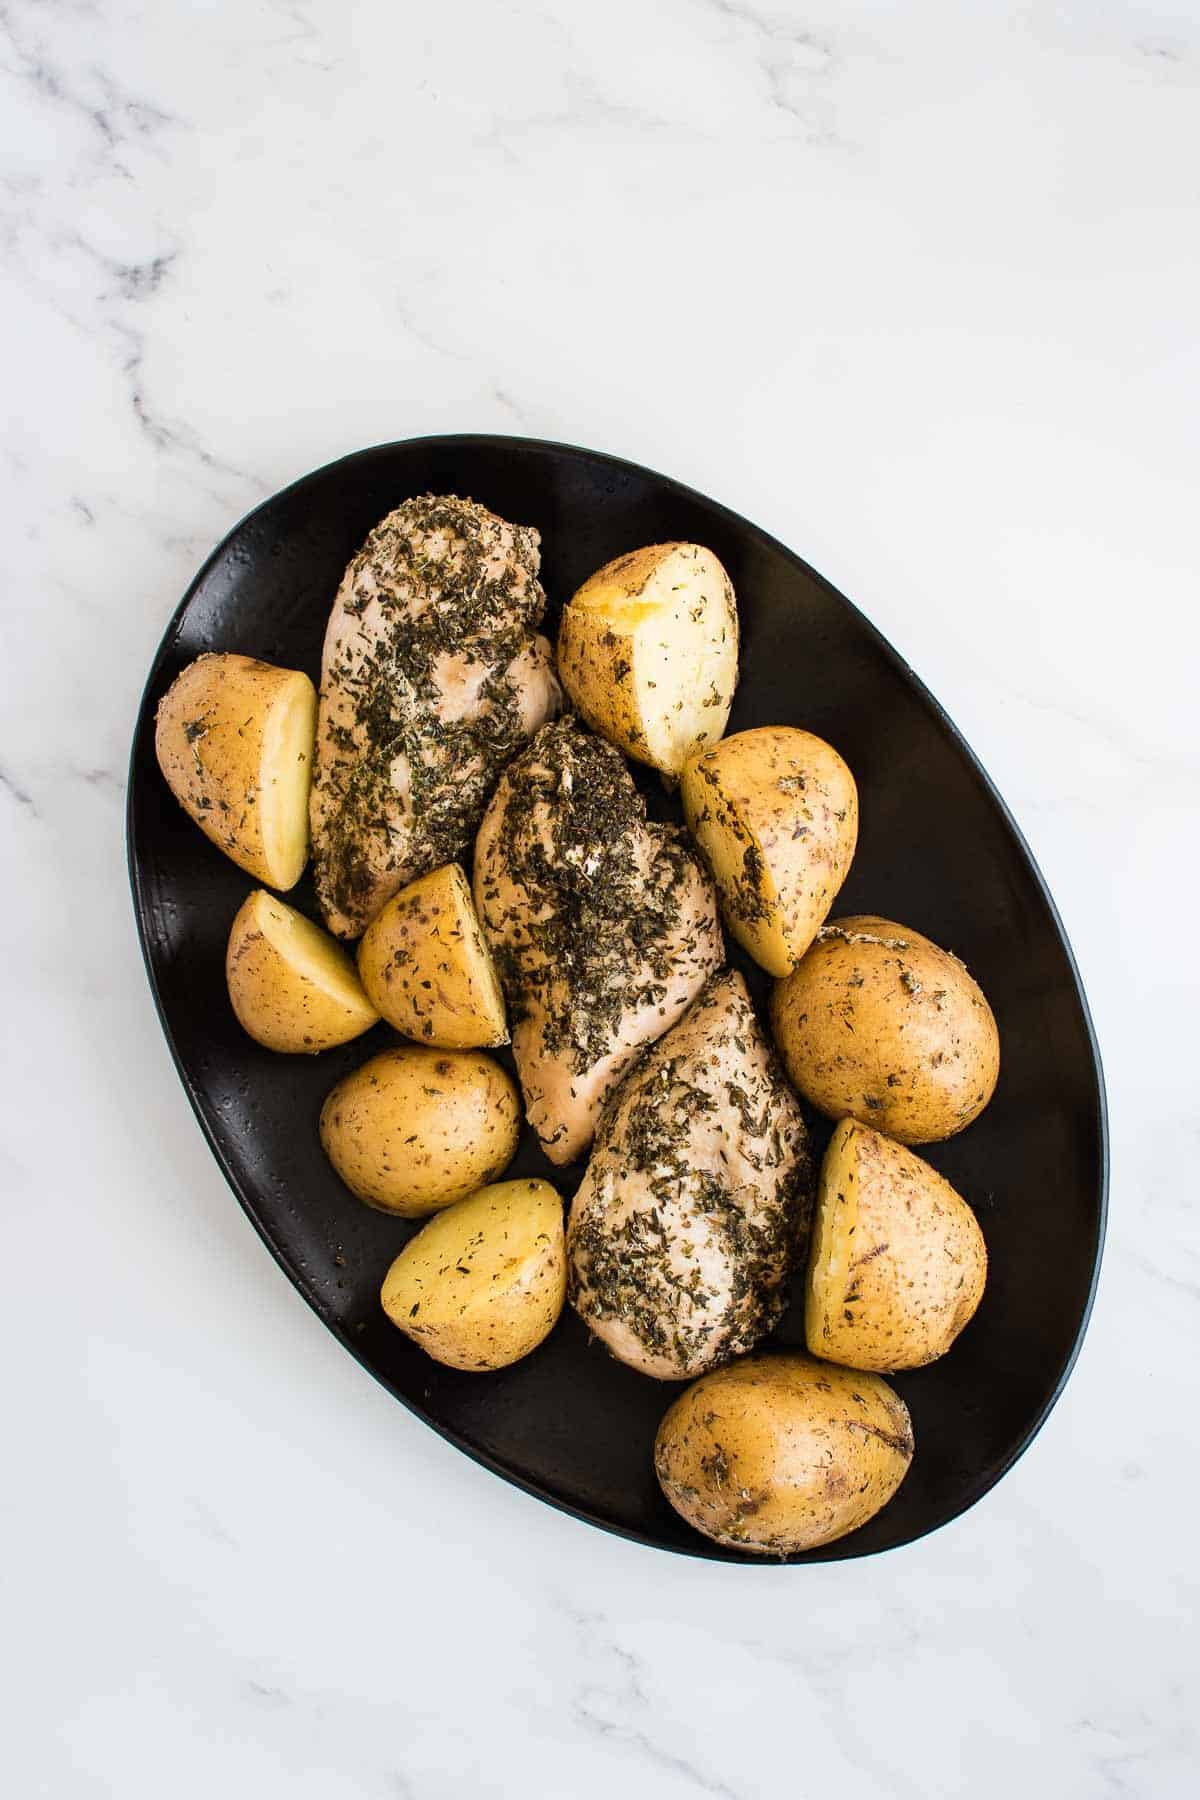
point(293, 988)
point(648, 652)
point(425, 966)
point(832, 1237)
point(898, 1264)
point(234, 739)
point(484, 1282)
point(285, 778)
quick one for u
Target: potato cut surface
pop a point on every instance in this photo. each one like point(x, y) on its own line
point(293, 988)
point(483, 1283)
point(427, 968)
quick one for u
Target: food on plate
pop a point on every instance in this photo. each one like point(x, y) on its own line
point(481, 1285)
point(234, 740)
point(594, 933)
point(648, 652)
point(292, 986)
point(898, 1260)
point(695, 1204)
point(697, 1199)
point(604, 926)
point(426, 967)
point(879, 1024)
point(775, 813)
point(433, 674)
point(778, 1454)
point(414, 1130)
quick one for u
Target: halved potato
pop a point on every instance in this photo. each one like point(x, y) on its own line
point(426, 967)
point(775, 813)
point(648, 652)
point(292, 986)
point(481, 1285)
point(781, 1453)
point(898, 1260)
point(414, 1130)
point(234, 739)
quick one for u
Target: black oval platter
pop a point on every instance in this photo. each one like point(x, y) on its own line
point(938, 851)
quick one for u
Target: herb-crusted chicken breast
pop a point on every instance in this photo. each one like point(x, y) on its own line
point(697, 1200)
point(603, 925)
point(433, 675)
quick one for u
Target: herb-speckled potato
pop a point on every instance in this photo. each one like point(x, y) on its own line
point(425, 965)
point(292, 986)
point(898, 1260)
point(414, 1130)
point(775, 814)
point(778, 1454)
point(648, 652)
point(234, 739)
point(481, 1285)
point(881, 1025)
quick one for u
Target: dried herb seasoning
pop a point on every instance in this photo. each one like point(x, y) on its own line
point(430, 666)
point(581, 894)
point(697, 1201)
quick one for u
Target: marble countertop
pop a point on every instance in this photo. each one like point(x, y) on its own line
point(916, 288)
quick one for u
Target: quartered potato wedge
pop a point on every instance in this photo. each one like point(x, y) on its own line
point(481, 1285)
point(292, 986)
point(898, 1260)
point(234, 739)
point(424, 962)
point(775, 814)
point(648, 652)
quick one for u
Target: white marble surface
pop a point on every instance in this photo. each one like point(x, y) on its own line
point(915, 286)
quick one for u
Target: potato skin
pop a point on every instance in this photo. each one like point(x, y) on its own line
point(775, 814)
point(777, 1454)
point(898, 1263)
point(879, 1024)
point(291, 985)
point(648, 652)
point(426, 968)
point(483, 1283)
point(414, 1130)
point(234, 740)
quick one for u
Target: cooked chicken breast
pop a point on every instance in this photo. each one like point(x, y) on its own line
point(432, 676)
point(697, 1201)
point(604, 926)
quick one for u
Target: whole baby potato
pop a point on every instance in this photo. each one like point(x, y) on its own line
point(414, 1130)
point(777, 1454)
point(483, 1283)
point(774, 812)
point(234, 740)
point(292, 986)
point(898, 1261)
point(879, 1024)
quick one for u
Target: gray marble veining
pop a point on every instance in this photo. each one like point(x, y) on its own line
point(915, 286)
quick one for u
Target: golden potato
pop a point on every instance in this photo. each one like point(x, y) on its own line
point(879, 1024)
point(424, 964)
point(777, 1454)
point(898, 1260)
point(292, 986)
point(414, 1130)
point(775, 813)
point(648, 652)
point(234, 739)
point(481, 1285)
